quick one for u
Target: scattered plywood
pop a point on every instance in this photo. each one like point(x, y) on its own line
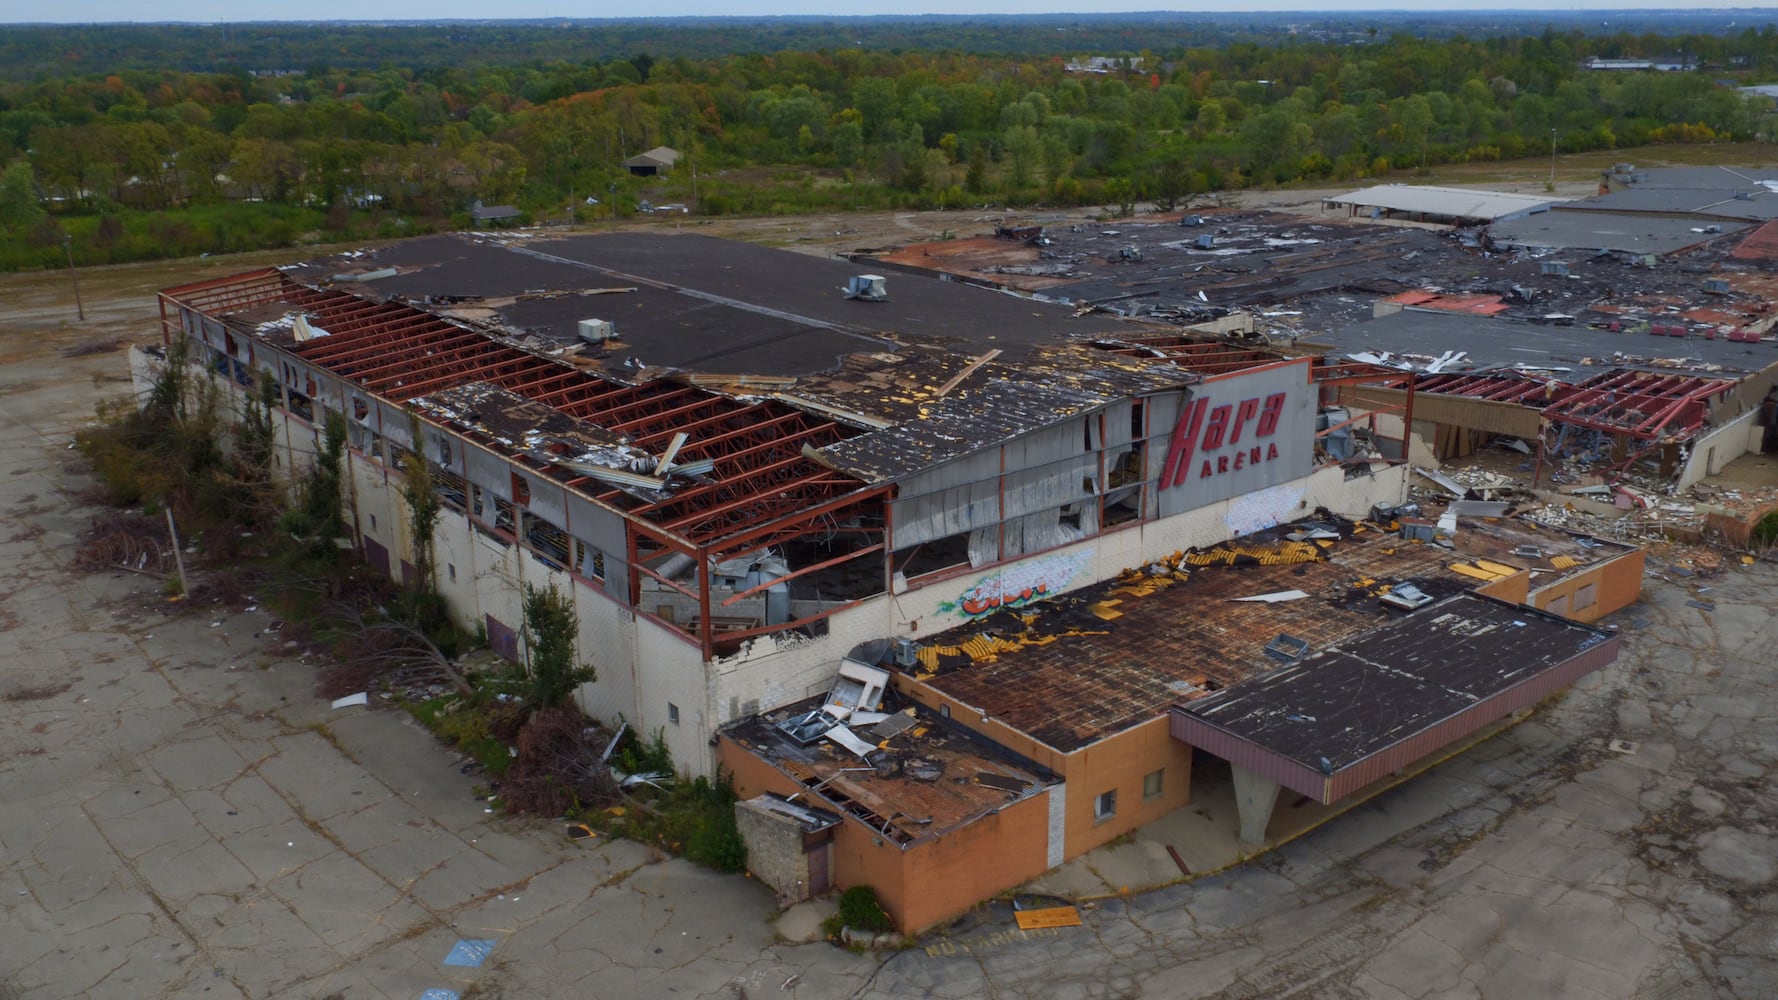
point(1055, 916)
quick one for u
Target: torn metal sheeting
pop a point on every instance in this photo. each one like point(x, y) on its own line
point(1275, 597)
point(1479, 508)
point(361, 698)
point(894, 725)
point(1450, 485)
point(844, 737)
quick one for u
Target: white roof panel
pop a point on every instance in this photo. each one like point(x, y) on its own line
point(1466, 203)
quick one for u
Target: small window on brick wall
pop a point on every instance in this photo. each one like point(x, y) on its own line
point(1105, 806)
point(1153, 785)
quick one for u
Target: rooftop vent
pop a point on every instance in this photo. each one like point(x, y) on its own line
point(867, 287)
point(596, 331)
point(1406, 596)
point(1287, 648)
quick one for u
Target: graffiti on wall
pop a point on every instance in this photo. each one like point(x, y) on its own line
point(1018, 585)
point(1264, 509)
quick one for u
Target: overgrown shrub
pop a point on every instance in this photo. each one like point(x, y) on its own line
point(860, 910)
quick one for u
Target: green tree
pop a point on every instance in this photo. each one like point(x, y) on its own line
point(423, 508)
point(19, 208)
point(318, 517)
point(550, 668)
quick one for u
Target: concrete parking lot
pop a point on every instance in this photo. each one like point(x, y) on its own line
point(184, 818)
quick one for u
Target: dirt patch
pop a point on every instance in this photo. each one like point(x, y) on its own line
point(39, 693)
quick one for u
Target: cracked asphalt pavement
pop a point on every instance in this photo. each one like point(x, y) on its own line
point(184, 818)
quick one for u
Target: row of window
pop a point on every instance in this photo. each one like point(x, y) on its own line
point(1153, 787)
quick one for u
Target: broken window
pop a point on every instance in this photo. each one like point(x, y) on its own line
point(547, 540)
point(934, 556)
point(589, 561)
point(301, 407)
point(673, 713)
point(1105, 805)
point(503, 516)
point(449, 487)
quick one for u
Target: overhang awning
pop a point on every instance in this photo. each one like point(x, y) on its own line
point(1338, 720)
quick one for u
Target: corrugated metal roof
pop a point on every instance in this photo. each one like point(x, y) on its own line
point(1464, 203)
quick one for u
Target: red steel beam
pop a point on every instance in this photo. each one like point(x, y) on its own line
point(647, 407)
point(801, 522)
point(401, 357)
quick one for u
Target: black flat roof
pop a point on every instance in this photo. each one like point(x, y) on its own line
point(1502, 343)
point(1445, 670)
point(696, 302)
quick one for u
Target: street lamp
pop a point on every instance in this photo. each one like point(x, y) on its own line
point(68, 248)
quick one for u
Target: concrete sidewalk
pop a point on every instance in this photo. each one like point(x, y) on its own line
point(185, 818)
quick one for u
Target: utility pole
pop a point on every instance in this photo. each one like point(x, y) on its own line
point(68, 248)
point(1552, 159)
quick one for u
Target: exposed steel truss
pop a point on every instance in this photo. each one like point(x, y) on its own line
point(1648, 406)
point(1328, 371)
point(762, 485)
point(1503, 387)
point(222, 295)
point(1644, 405)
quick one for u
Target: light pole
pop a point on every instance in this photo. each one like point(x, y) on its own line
point(1552, 159)
point(68, 248)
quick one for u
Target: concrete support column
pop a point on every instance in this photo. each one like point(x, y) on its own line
point(1254, 798)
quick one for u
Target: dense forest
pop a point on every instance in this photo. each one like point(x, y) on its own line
point(145, 162)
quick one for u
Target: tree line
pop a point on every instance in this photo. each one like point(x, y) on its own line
point(144, 163)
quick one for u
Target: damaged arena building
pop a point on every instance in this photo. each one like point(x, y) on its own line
point(959, 584)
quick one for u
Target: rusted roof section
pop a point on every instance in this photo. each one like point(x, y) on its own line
point(1080, 667)
point(931, 777)
point(1014, 262)
point(528, 428)
point(1762, 244)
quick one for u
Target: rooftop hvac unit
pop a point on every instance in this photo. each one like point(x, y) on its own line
point(906, 654)
point(1406, 596)
point(1555, 268)
point(595, 331)
point(867, 287)
point(1206, 241)
point(1192, 220)
point(1716, 286)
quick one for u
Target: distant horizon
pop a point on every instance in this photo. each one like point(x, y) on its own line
point(206, 12)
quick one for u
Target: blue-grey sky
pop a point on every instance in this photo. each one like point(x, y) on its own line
point(80, 11)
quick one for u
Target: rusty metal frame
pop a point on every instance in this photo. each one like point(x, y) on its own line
point(399, 352)
point(1640, 404)
point(1500, 387)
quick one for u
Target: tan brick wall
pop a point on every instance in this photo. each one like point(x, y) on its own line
point(1120, 763)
